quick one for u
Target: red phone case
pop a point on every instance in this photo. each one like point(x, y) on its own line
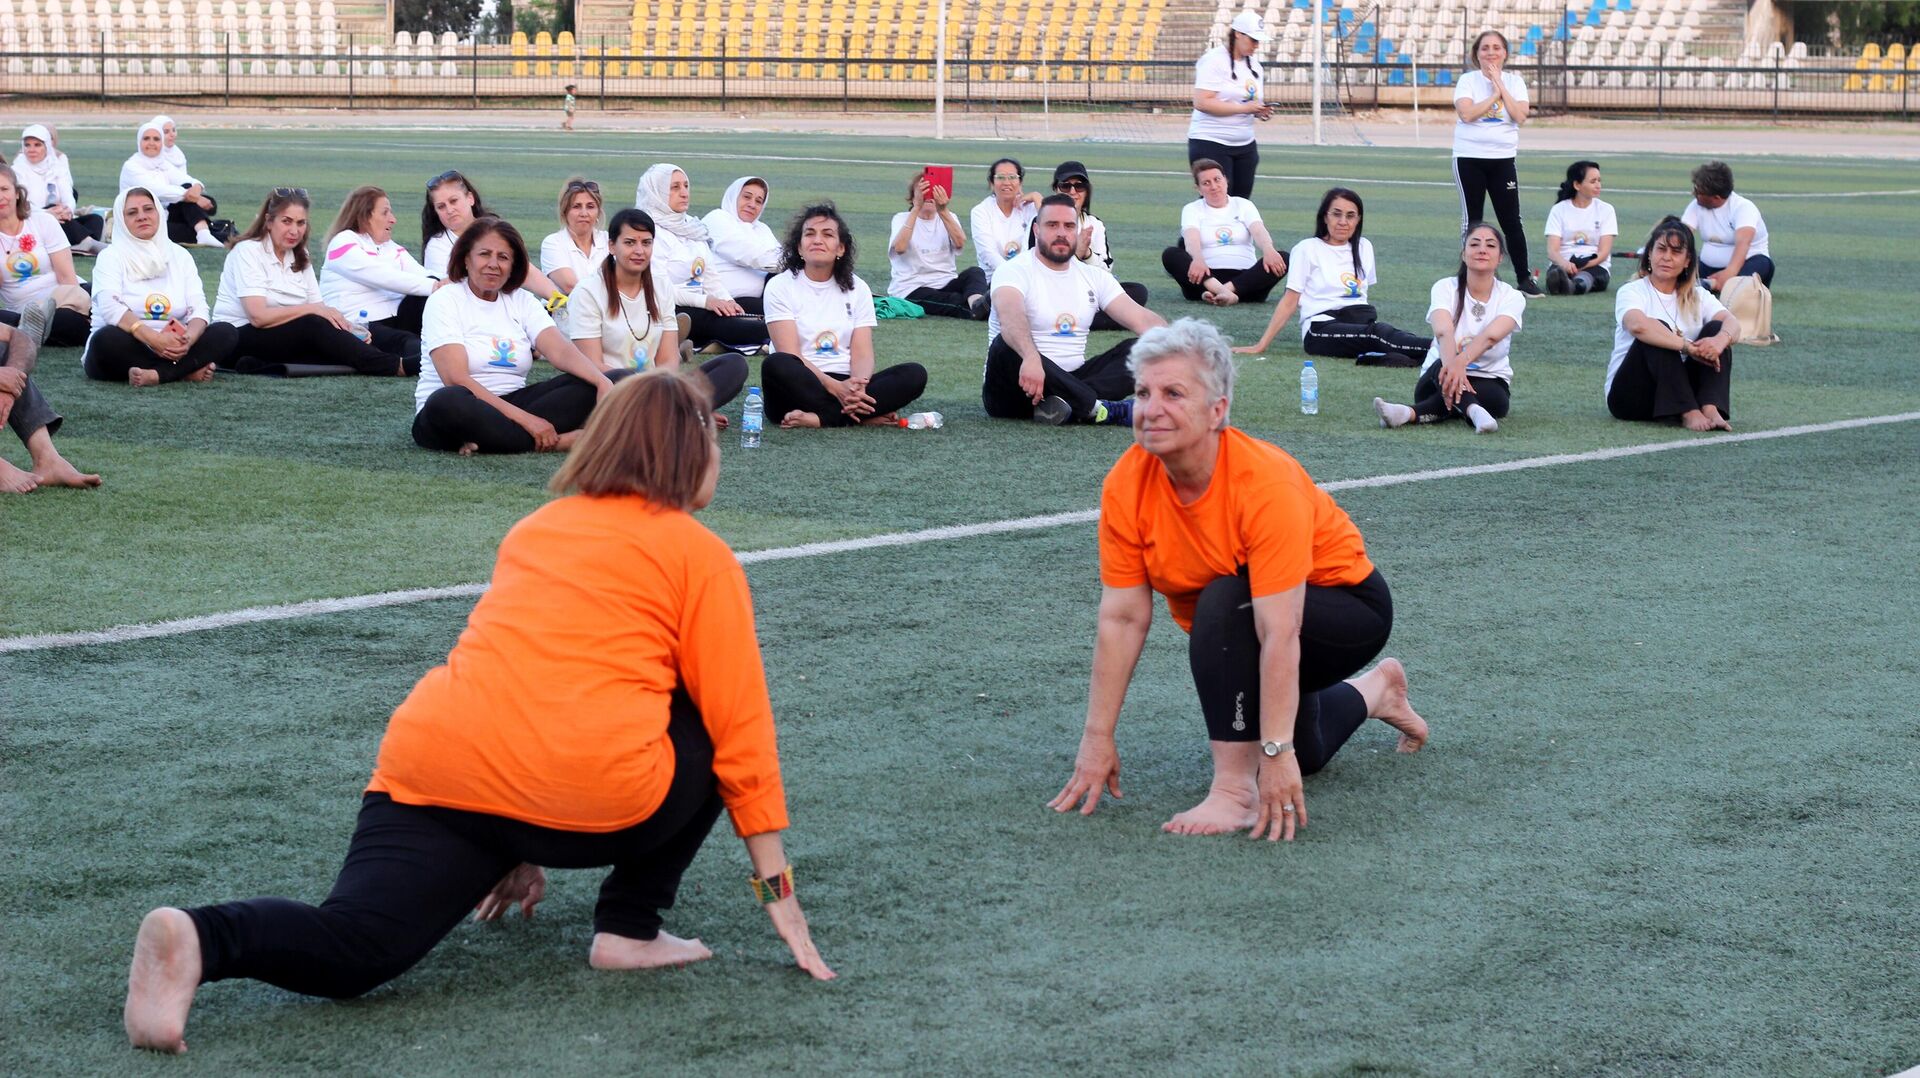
point(941, 176)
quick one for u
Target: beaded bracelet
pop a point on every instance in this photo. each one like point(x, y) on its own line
point(774, 889)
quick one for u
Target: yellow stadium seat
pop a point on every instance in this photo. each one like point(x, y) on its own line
point(1896, 52)
point(518, 48)
point(614, 55)
point(563, 47)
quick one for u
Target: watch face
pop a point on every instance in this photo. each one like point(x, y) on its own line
point(1271, 748)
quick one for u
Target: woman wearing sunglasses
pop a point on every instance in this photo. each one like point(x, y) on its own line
point(570, 255)
point(1071, 180)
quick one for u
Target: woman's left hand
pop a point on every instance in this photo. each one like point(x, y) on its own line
point(855, 402)
point(1275, 263)
point(1283, 802)
point(1453, 383)
point(525, 885)
point(725, 308)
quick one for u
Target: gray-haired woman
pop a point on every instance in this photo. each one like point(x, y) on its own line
point(1268, 576)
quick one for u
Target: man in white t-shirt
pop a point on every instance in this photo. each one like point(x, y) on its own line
point(1729, 229)
point(1044, 302)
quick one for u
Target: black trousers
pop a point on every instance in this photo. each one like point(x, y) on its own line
point(112, 352)
point(1755, 266)
point(84, 226)
point(791, 386)
point(1429, 406)
point(70, 327)
point(1656, 383)
point(312, 339)
point(399, 333)
point(727, 374)
point(1251, 284)
point(1240, 163)
point(1352, 332)
point(1592, 277)
point(185, 218)
point(1480, 178)
point(1101, 377)
point(31, 412)
point(950, 299)
point(740, 330)
point(453, 416)
point(413, 873)
point(1341, 631)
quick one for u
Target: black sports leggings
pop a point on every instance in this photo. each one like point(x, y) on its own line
point(70, 327)
point(84, 226)
point(950, 299)
point(1482, 177)
point(453, 416)
point(791, 386)
point(414, 872)
point(1430, 406)
point(312, 339)
point(1352, 332)
point(740, 330)
point(399, 332)
point(1101, 378)
point(1593, 277)
point(1341, 630)
point(1657, 383)
point(1241, 163)
point(727, 375)
point(185, 218)
point(1251, 284)
point(112, 352)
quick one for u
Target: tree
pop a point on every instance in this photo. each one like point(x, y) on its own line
point(437, 16)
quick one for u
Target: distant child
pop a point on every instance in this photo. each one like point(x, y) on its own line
point(568, 106)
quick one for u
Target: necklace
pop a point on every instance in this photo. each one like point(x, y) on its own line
point(638, 338)
point(1669, 304)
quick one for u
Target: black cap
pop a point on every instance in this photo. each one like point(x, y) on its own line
point(1069, 170)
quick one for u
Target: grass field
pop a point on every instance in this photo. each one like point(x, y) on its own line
point(1667, 824)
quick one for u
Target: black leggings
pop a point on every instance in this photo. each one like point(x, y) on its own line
point(312, 339)
point(1251, 284)
point(734, 331)
point(399, 333)
point(414, 872)
point(1239, 162)
point(1352, 332)
point(84, 226)
point(950, 300)
point(1657, 383)
point(1101, 378)
point(184, 220)
point(112, 352)
point(727, 375)
point(1482, 177)
point(1593, 277)
point(1341, 630)
point(791, 386)
point(1102, 320)
point(1755, 266)
point(453, 416)
point(1430, 406)
point(70, 327)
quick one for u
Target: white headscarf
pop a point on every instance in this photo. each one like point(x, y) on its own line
point(651, 196)
point(725, 222)
point(142, 258)
point(154, 126)
point(174, 154)
point(38, 178)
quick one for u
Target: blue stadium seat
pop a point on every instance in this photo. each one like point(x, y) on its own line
point(1444, 77)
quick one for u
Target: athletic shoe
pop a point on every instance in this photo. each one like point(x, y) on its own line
point(1529, 287)
point(1052, 411)
point(1392, 415)
point(980, 307)
point(37, 321)
point(683, 323)
point(1114, 413)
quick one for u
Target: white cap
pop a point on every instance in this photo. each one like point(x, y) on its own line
point(1248, 22)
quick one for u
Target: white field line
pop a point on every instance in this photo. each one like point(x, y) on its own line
point(316, 607)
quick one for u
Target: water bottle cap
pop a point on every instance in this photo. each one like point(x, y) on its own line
point(1309, 362)
point(753, 391)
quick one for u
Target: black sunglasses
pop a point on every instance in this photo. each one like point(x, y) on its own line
point(450, 174)
point(1071, 185)
point(583, 185)
point(290, 192)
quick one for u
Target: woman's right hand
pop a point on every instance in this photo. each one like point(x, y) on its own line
point(334, 318)
point(1198, 271)
point(544, 436)
point(1097, 767)
point(725, 308)
point(792, 926)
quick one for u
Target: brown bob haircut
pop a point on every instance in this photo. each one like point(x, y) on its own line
point(651, 435)
point(356, 210)
point(1204, 164)
point(480, 229)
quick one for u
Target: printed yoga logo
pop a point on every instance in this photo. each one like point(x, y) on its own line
point(505, 354)
point(1223, 236)
point(826, 343)
point(1251, 88)
point(1352, 285)
point(1012, 248)
point(1065, 325)
point(697, 271)
point(21, 265)
point(156, 307)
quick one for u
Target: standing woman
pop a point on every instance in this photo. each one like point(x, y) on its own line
point(269, 295)
point(1492, 104)
point(927, 239)
point(182, 198)
point(36, 264)
point(570, 255)
point(1474, 316)
point(821, 319)
point(1070, 179)
point(745, 250)
point(371, 279)
point(680, 248)
point(1225, 255)
point(47, 177)
point(1226, 101)
point(1327, 281)
point(1673, 341)
point(149, 309)
point(453, 203)
point(622, 316)
point(1580, 233)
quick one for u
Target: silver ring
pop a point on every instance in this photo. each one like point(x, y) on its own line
point(1286, 808)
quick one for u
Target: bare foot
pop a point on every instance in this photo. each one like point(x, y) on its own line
point(1717, 421)
point(468, 449)
point(719, 421)
point(621, 952)
point(143, 376)
point(160, 986)
point(1385, 690)
point(1696, 420)
point(204, 374)
point(890, 419)
point(1222, 812)
point(1223, 297)
point(15, 481)
point(56, 472)
point(798, 418)
point(565, 442)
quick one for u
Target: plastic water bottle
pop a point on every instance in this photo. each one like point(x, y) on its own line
point(1309, 390)
point(924, 421)
point(752, 418)
point(357, 325)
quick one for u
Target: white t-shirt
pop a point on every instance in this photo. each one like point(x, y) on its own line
point(1580, 230)
point(1323, 275)
point(1236, 82)
point(998, 237)
point(1060, 303)
point(559, 252)
point(824, 316)
point(689, 265)
point(1097, 252)
point(1226, 234)
point(438, 253)
point(1494, 135)
point(1714, 230)
point(176, 294)
point(1506, 300)
point(251, 270)
point(498, 336)
point(26, 261)
point(629, 340)
point(929, 261)
point(1640, 295)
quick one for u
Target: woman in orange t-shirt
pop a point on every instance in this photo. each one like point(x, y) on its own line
point(1268, 576)
point(582, 720)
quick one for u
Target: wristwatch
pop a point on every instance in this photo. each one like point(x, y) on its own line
point(1274, 748)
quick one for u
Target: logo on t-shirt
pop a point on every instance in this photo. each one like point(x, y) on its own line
point(639, 357)
point(1012, 248)
point(1497, 114)
point(698, 270)
point(1065, 325)
point(22, 264)
point(1252, 89)
point(1223, 235)
point(826, 343)
point(1352, 285)
point(156, 307)
point(505, 353)
point(1581, 239)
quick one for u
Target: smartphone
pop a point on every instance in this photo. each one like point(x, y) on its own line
point(941, 176)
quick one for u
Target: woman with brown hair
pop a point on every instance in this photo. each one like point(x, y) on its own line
point(370, 278)
point(580, 722)
point(1673, 340)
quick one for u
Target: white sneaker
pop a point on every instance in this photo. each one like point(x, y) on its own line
point(37, 321)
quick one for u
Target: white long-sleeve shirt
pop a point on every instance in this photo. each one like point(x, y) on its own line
point(174, 295)
point(689, 265)
point(743, 254)
point(156, 174)
point(361, 275)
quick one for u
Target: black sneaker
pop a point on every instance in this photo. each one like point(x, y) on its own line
point(1114, 413)
point(1529, 287)
point(1053, 411)
point(980, 307)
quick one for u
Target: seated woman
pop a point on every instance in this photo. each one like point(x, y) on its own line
point(453, 203)
point(1225, 255)
point(1268, 576)
point(745, 250)
point(576, 724)
point(637, 331)
point(1673, 342)
point(181, 197)
point(680, 249)
point(23, 408)
point(150, 322)
point(821, 319)
point(480, 334)
point(926, 238)
point(1327, 281)
point(1732, 234)
point(1071, 179)
point(47, 177)
point(1474, 316)
point(1002, 222)
point(572, 254)
point(269, 295)
point(1580, 232)
point(36, 264)
point(371, 279)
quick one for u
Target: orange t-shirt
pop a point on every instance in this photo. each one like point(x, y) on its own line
point(1261, 511)
point(552, 708)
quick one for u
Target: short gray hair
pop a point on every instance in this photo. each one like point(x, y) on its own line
point(1199, 341)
